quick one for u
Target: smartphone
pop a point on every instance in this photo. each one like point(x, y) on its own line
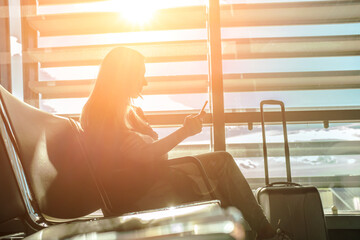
point(206, 102)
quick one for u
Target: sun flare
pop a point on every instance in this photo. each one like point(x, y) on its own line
point(137, 11)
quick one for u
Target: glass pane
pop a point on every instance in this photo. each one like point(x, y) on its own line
point(314, 150)
point(172, 37)
point(152, 70)
point(326, 157)
point(277, 52)
point(149, 103)
point(311, 62)
point(340, 200)
point(70, 61)
point(295, 100)
point(13, 57)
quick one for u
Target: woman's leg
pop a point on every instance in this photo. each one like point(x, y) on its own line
point(232, 189)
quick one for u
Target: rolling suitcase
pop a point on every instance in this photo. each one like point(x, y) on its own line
point(295, 209)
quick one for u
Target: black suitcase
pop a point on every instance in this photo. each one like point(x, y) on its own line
point(296, 209)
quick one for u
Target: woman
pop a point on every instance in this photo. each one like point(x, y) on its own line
point(128, 142)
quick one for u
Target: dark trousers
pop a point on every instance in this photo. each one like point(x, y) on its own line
point(231, 187)
point(171, 187)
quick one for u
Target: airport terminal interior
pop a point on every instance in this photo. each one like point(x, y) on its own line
point(234, 54)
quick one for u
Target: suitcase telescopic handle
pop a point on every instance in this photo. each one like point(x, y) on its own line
point(286, 143)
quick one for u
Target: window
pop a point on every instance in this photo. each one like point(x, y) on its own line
point(74, 38)
point(233, 53)
point(304, 53)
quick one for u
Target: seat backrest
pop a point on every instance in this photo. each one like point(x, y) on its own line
point(52, 160)
point(11, 204)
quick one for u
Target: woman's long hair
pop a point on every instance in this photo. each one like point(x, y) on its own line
point(110, 101)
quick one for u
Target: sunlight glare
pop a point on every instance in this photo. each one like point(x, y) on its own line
point(356, 201)
point(137, 11)
point(172, 212)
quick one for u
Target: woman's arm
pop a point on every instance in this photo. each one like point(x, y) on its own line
point(192, 125)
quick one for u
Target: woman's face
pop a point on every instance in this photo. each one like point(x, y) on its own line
point(139, 81)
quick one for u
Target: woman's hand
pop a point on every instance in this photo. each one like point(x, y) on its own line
point(193, 124)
